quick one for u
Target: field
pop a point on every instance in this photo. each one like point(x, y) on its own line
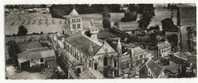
point(38, 22)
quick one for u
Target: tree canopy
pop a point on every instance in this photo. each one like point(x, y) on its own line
point(22, 30)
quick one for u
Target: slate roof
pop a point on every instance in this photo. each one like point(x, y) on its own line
point(82, 43)
point(154, 68)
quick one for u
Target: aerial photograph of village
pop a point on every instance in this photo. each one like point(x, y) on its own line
point(100, 41)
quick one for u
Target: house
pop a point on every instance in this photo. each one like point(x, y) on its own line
point(36, 58)
point(139, 55)
point(164, 48)
point(34, 55)
point(73, 22)
point(186, 64)
point(131, 28)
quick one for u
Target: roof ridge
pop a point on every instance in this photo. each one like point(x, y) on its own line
point(74, 12)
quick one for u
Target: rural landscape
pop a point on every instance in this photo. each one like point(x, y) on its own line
point(100, 41)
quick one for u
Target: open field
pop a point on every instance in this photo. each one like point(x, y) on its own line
point(37, 22)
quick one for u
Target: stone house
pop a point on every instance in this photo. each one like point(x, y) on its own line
point(33, 56)
point(164, 48)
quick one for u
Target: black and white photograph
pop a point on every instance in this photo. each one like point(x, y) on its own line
point(100, 41)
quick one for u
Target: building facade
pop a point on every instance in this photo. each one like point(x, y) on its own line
point(73, 23)
point(164, 48)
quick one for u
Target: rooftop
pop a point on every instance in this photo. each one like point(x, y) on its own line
point(163, 44)
point(24, 46)
point(172, 67)
point(74, 13)
point(83, 44)
point(154, 68)
point(128, 26)
point(138, 50)
point(36, 53)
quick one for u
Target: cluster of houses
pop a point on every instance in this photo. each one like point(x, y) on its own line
point(81, 56)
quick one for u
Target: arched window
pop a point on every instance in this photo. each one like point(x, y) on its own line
point(95, 66)
point(105, 61)
point(78, 71)
point(115, 63)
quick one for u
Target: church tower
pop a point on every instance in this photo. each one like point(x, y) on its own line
point(73, 22)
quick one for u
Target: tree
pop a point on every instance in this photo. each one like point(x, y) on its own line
point(22, 30)
point(147, 12)
point(13, 50)
point(130, 14)
point(144, 22)
point(106, 20)
point(168, 25)
point(173, 39)
point(88, 33)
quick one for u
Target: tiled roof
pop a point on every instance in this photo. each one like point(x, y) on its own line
point(163, 44)
point(182, 55)
point(127, 26)
point(154, 68)
point(138, 50)
point(29, 45)
point(36, 53)
point(83, 44)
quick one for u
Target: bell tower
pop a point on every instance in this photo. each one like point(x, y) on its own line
point(73, 22)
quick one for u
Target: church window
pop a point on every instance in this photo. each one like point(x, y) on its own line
point(78, 20)
point(105, 61)
point(115, 63)
point(73, 20)
point(78, 26)
point(74, 26)
point(95, 66)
